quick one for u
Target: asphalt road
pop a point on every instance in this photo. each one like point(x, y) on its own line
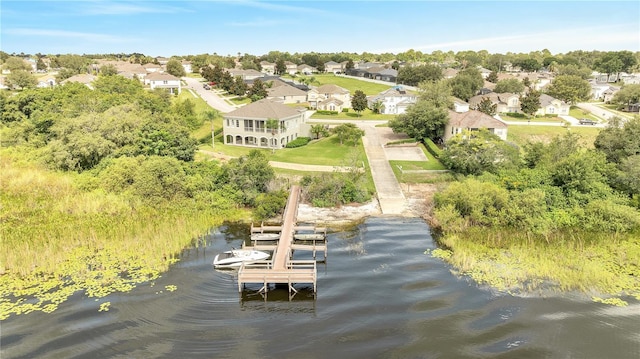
point(208, 96)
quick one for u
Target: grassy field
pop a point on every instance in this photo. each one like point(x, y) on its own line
point(579, 113)
point(535, 119)
point(523, 134)
point(369, 88)
point(352, 115)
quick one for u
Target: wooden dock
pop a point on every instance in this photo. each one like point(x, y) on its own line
point(282, 269)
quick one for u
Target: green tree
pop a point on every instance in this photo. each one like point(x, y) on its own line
point(528, 64)
point(274, 126)
point(493, 77)
point(509, 85)
point(473, 153)
point(574, 70)
point(467, 83)
point(413, 76)
point(108, 70)
point(619, 140)
point(377, 106)
point(614, 62)
point(251, 174)
point(530, 103)
point(359, 101)
point(348, 132)
point(257, 91)
point(487, 106)
point(421, 121)
point(570, 89)
point(319, 130)
point(20, 79)
point(349, 65)
point(175, 68)
point(14, 63)
point(628, 94)
point(281, 68)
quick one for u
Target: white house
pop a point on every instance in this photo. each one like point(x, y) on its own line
point(391, 98)
point(306, 69)
point(163, 81)
point(152, 67)
point(334, 67)
point(268, 68)
point(505, 102)
point(46, 81)
point(319, 94)
point(247, 125)
point(85, 79)
point(246, 75)
point(186, 65)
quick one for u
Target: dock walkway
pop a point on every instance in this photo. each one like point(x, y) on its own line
point(282, 268)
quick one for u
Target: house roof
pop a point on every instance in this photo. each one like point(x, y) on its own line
point(545, 100)
point(264, 108)
point(494, 97)
point(332, 100)
point(81, 78)
point(474, 119)
point(151, 66)
point(332, 89)
point(161, 76)
point(285, 90)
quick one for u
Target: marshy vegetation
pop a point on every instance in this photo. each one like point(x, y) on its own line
point(559, 216)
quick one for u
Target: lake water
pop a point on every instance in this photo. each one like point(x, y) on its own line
point(379, 296)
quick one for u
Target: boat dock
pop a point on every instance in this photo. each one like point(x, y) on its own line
point(283, 241)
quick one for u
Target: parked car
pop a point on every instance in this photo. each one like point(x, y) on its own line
point(206, 87)
point(586, 121)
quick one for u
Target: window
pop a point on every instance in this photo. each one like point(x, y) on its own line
point(165, 82)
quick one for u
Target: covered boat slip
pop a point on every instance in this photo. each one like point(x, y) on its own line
point(282, 268)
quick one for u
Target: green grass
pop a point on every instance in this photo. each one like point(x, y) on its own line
point(523, 134)
point(535, 119)
point(352, 115)
point(240, 100)
point(369, 88)
point(579, 113)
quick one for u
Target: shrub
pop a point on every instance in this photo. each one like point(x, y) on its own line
point(432, 148)
point(324, 112)
point(345, 110)
point(516, 114)
point(271, 204)
point(298, 142)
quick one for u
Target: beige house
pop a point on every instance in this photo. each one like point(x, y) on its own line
point(163, 80)
point(552, 106)
point(331, 104)
point(247, 126)
point(291, 68)
point(152, 67)
point(286, 94)
point(268, 68)
point(460, 122)
point(306, 69)
point(81, 78)
point(46, 81)
point(322, 93)
point(505, 102)
point(332, 66)
point(246, 75)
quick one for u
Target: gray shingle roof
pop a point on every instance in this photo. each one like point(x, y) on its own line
point(474, 119)
point(264, 108)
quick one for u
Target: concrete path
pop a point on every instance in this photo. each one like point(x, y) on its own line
point(390, 196)
point(208, 96)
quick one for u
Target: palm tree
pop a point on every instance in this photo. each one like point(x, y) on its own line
point(275, 127)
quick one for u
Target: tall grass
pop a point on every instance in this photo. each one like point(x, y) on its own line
point(57, 239)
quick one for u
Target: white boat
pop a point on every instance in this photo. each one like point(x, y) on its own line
point(265, 236)
point(235, 257)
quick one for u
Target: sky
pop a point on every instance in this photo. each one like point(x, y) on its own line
point(168, 28)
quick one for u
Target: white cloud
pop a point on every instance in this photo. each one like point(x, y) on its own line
point(67, 34)
point(125, 8)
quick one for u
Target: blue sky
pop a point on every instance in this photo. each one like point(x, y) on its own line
point(166, 28)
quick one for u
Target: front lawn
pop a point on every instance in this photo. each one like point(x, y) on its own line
point(520, 135)
point(351, 84)
point(352, 115)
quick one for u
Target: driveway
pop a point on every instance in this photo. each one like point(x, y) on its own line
point(597, 110)
point(208, 96)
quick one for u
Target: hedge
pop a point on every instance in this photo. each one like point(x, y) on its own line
point(298, 142)
point(324, 112)
point(432, 148)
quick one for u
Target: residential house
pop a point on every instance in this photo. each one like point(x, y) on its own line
point(186, 65)
point(484, 72)
point(382, 74)
point(86, 79)
point(245, 75)
point(285, 93)
point(608, 94)
point(46, 81)
point(163, 80)
point(3, 83)
point(162, 60)
point(603, 91)
point(131, 71)
point(367, 65)
point(306, 69)
point(331, 104)
point(291, 68)
point(152, 67)
point(334, 67)
point(267, 67)
point(319, 94)
point(449, 73)
point(630, 79)
point(552, 106)
point(505, 102)
point(247, 125)
point(460, 105)
point(391, 98)
point(473, 120)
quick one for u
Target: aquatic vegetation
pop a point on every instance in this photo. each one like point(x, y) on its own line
point(58, 240)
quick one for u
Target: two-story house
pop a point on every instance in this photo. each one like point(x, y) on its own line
point(334, 67)
point(267, 67)
point(162, 80)
point(286, 93)
point(291, 68)
point(552, 106)
point(505, 102)
point(318, 97)
point(391, 98)
point(247, 125)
